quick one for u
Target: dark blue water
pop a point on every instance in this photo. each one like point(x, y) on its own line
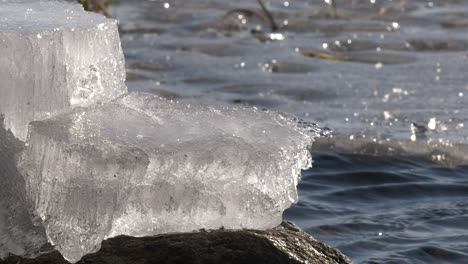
point(386, 209)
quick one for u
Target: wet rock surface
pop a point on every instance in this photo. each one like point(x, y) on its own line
point(286, 243)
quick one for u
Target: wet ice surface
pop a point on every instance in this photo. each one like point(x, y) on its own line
point(50, 61)
point(34, 16)
point(368, 73)
point(143, 165)
point(90, 162)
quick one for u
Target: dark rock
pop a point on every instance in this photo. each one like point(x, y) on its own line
point(286, 243)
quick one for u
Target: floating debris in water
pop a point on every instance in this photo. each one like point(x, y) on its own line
point(97, 6)
point(418, 131)
point(378, 59)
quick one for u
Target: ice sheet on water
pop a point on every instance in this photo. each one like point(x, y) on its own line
point(55, 56)
point(143, 165)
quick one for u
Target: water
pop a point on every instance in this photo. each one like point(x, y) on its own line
point(389, 77)
point(386, 210)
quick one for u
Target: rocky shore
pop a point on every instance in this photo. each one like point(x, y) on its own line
point(286, 243)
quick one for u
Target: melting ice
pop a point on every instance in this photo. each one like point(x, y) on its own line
point(53, 57)
point(142, 165)
point(99, 163)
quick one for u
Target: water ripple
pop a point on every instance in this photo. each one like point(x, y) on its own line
point(386, 209)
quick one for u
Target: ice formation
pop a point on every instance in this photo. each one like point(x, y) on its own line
point(142, 165)
point(99, 163)
point(55, 56)
point(18, 234)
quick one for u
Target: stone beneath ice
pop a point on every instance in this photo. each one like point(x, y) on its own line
point(142, 165)
point(54, 56)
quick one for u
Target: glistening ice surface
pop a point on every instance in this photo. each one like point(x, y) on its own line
point(55, 56)
point(143, 165)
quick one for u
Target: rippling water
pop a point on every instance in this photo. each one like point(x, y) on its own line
point(386, 210)
point(388, 76)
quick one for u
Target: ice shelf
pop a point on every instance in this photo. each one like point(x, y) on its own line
point(54, 56)
point(142, 165)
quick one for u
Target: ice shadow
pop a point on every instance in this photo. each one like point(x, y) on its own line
point(18, 234)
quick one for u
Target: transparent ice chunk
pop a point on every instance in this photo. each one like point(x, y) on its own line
point(54, 56)
point(18, 234)
point(142, 165)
